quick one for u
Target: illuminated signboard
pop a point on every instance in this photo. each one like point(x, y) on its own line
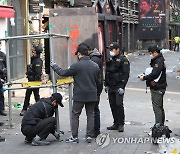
point(152, 19)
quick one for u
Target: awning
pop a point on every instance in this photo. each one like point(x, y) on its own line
point(6, 12)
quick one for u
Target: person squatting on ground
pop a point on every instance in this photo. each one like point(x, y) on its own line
point(34, 72)
point(3, 76)
point(38, 122)
point(85, 73)
point(116, 78)
point(96, 57)
point(157, 88)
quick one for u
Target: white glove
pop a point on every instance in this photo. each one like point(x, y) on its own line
point(52, 63)
point(121, 91)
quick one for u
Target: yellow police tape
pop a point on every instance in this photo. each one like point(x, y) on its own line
point(40, 83)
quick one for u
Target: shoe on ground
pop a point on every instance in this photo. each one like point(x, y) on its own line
point(3, 113)
point(113, 127)
point(96, 134)
point(121, 128)
point(88, 139)
point(37, 141)
point(27, 140)
point(2, 139)
point(56, 135)
point(22, 113)
point(72, 140)
point(1, 123)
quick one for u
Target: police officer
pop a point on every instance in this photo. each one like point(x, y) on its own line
point(34, 72)
point(38, 122)
point(3, 75)
point(116, 78)
point(156, 80)
point(2, 139)
point(85, 73)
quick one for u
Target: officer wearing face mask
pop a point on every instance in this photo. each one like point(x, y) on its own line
point(156, 80)
point(116, 78)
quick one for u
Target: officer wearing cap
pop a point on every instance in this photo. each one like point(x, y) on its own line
point(156, 80)
point(85, 73)
point(38, 122)
point(116, 78)
point(34, 72)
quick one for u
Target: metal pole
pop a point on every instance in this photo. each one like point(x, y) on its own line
point(70, 85)
point(53, 79)
point(9, 80)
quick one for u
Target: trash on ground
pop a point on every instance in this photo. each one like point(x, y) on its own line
point(17, 106)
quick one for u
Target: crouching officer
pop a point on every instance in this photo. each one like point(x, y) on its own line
point(116, 78)
point(34, 72)
point(38, 122)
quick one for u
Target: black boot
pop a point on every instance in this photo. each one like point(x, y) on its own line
point(113, 127)
point(121, 128)
point(2, 139)
point(3, 113)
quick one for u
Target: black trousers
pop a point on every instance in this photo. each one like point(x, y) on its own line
point(117, 107)
point(1, 101)
point(28, 96)
point(97, 116)
point(42, 129)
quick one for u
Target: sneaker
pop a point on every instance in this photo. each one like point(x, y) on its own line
point(3, 113)
point(121, 128)
point(2, 139)
point(56, 135)
point(88, 139)
point(72, 139)
point(113, 127)
point(22, 112)
point(37, 141)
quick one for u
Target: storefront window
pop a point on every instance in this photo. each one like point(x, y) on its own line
point(3, 2)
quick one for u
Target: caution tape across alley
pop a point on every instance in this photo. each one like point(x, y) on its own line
point(40, 83)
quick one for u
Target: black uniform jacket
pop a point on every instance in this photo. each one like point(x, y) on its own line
point(3, 65)
point(85, 73)
point(36, 69)
point(38, 111)
point(158, 65)
point(117, 72)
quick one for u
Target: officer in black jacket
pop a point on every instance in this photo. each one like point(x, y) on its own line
point(156, 80)
point(2, 139)
point(3, 76)
point(34, 72)
point(116, 78)
point(38, 122)
point(85, 73)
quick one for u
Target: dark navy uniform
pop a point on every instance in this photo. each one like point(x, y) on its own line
point(34, 72)
point(3, 76)
point(117, 75)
